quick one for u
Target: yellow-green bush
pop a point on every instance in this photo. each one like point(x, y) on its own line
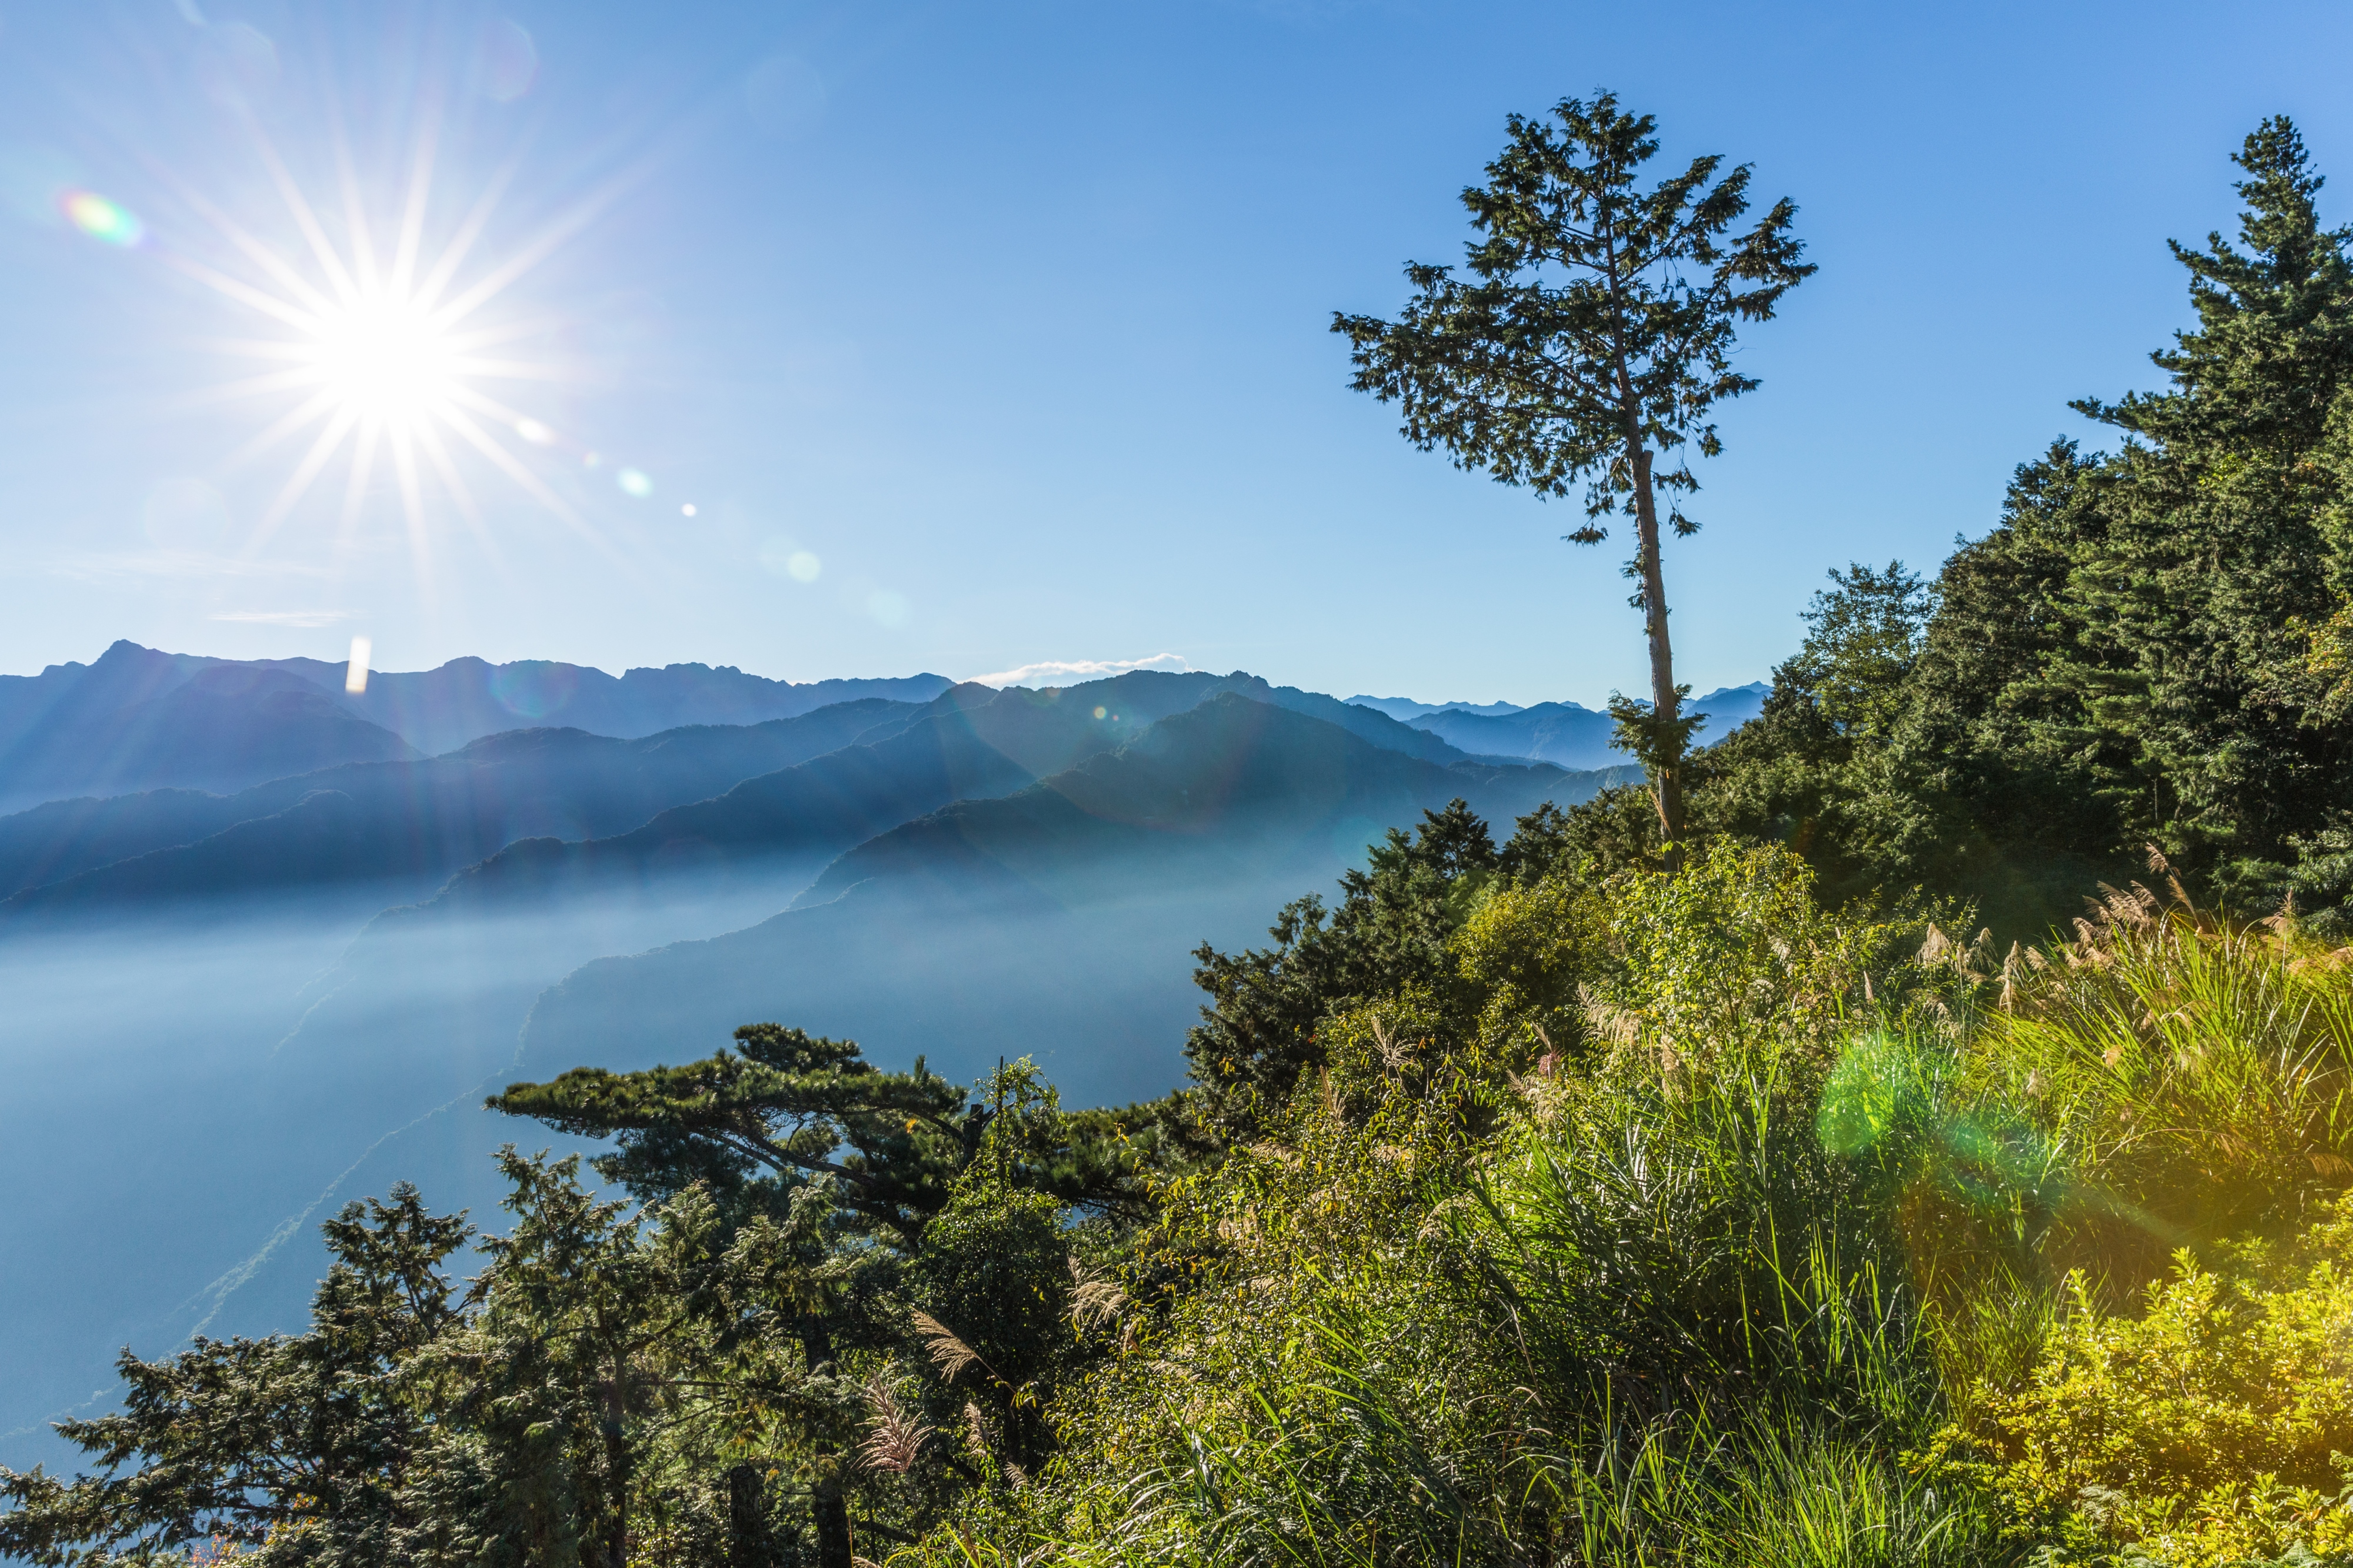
point(1522, 956)
point(1730, 960)
point(2215, 1427)
point(1284, 1299)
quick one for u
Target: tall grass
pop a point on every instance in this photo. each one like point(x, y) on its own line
point(2195, 1077)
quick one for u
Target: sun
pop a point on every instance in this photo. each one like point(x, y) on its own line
point(385, 359)
point(384, 348)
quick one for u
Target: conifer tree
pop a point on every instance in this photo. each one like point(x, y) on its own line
point(1591, 342)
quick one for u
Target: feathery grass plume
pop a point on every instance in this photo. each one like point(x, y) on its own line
point(1094, 1301)
point(949, 1354)
point(975, 1429)
point(898, 1437)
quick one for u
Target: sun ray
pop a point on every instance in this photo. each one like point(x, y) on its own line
point(437, 454)
point(306, 219)
point(533, 485)
point(453, 255)
point(305, 474)
point(356, 486)
point(516, 329)
point(510, 369)
point(252, 249)
point(389, 337)
point(412, 507)
point(248, 386)
point(530, 256)
point(286, 425)
point(245, 294)
point(482, 402)
point(356, 224)
point(412, 217)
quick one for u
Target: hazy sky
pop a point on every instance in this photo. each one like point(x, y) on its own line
point(982, 335)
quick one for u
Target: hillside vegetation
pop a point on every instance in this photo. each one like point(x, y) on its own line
point(1943, 1156)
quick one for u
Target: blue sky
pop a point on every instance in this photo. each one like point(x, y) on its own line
point(981, 336)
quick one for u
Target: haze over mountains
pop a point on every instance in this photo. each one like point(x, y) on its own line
point(265, 944)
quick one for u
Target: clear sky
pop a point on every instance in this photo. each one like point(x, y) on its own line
point(980, 335)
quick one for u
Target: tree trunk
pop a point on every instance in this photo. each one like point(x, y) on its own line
point(617, 1469)
point(750, 1544)
point(1666, 707)
point(833, 1545)
point(830, 1510)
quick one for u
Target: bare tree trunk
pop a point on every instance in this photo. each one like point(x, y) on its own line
point(833, 1544)
point(1666, 706)
point(830, 1509)
point(616, 1467)
point(750, 1544)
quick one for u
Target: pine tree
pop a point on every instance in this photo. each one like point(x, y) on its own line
point(1591, 344)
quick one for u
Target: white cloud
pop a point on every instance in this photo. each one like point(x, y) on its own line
point(285, 618)
point(1066, 671)
point(186, 563)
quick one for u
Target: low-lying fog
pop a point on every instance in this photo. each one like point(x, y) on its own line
point(187, 1097)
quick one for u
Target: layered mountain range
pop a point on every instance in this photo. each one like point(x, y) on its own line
point(267, 943)
point(135, 719)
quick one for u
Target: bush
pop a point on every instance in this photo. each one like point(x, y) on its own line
point(2216, 1428)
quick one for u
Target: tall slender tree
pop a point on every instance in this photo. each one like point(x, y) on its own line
point(1590, 344)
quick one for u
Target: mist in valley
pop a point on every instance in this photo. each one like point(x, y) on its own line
point(231, 1012)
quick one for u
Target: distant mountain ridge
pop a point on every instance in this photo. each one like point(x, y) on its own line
point(137, 719)
point(394, 823)
point(1405, 709)
point(220, 727)
point(970, 743)
point(272, 783)
point(1566, 735)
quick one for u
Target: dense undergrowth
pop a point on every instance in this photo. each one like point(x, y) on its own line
point(1810, 1239)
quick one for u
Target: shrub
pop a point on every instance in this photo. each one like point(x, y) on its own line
point(2216, 1428)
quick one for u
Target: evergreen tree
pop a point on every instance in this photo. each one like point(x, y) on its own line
point(2146, 650)
point(1590, 344)
point(1261, 1028)
point(307, 1447)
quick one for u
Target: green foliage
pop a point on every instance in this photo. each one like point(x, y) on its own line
point(1522, 957)
point(2199, 1074)
point(1259, 1033)
point(755, 1122)
point(1544, 382)
point(298, 1444)
point(1733, 959)
point(2213, 1429)
point(2140, 653)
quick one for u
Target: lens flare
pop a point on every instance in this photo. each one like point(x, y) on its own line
point(633, 481)
point(101, 219)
